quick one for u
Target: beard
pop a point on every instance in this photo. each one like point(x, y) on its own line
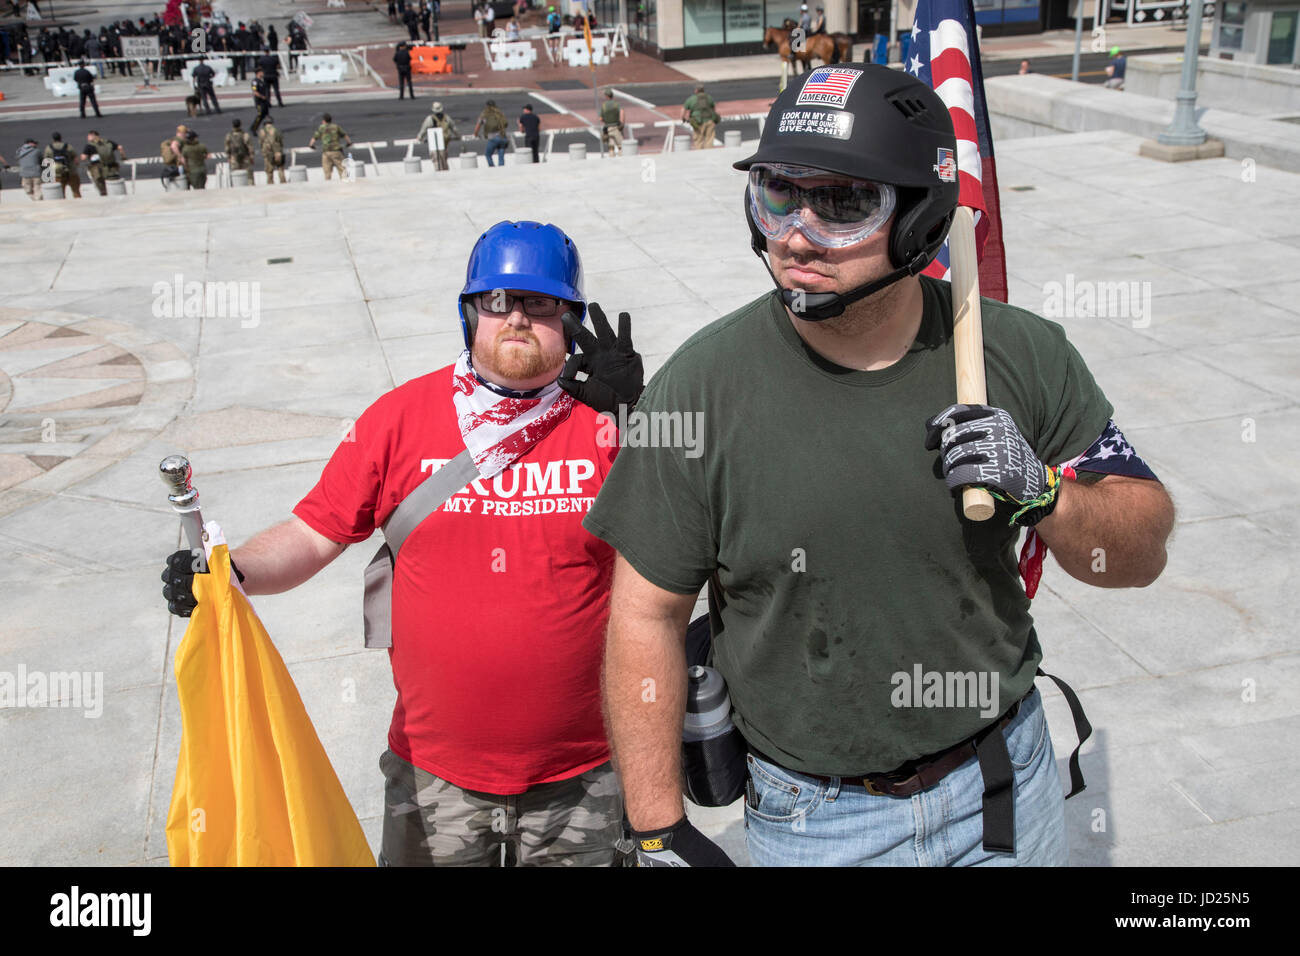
point(514, 361)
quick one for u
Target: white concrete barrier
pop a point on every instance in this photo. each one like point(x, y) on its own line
point(518, 55)
point(630, 147)
point(681, 144)
point(115, 186)
point(321, 68)
point(577, 151)
point(468, 160)
point(412, 165)
point(59, 82)
point(731, 138)
point(575, 52)
point(52, 190)
point(297, 174)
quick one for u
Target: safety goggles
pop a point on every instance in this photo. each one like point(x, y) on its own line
point(832, 214)
point(500, 302)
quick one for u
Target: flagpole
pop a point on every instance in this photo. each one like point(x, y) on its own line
point(175, 472)
point(968, 338)
point(591, 62)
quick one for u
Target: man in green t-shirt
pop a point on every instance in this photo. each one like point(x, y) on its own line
point(332, 137)
point(611, 121)
point(699, 111)
point(195, 155)
point(875, 644)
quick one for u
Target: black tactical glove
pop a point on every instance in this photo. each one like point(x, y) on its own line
point(613, 367)
point(981, 445)
point(178, 580)
point(679, 845)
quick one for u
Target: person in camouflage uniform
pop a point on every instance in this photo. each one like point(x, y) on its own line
point(700, 112)
point(195, 155)
point(444, 122)
point(239, 150)
point(272, 150)
point(102, 160)
point(331, 137)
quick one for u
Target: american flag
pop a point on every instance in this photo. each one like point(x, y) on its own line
point(828, 85)
point(945, 55)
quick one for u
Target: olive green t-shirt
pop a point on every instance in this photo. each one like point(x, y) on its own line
point(195, 155)
point(609, 113)
point(842, 555)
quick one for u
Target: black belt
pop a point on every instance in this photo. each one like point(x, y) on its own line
point(995, 767)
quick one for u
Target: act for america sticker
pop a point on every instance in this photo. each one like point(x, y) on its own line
point(946, 166)
point(834, 123)
point(828, 86)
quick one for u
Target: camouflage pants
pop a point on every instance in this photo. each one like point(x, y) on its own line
point(429, 821)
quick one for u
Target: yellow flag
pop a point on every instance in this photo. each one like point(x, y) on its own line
point(253, 784)
point(586, 32)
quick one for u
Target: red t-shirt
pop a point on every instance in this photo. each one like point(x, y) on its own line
point(500, 597)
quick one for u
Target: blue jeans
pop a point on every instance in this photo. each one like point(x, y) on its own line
point(497, 144)
point(793, 819)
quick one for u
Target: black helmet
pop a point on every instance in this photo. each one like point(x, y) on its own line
point(869, 122)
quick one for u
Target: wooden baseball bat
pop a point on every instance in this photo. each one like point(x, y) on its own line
point(968, 338)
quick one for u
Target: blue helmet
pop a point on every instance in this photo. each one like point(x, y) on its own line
point(529, 256)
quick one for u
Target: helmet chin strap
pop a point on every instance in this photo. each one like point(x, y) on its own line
point(818, 306)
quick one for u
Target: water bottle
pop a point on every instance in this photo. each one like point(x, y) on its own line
point(713, 751)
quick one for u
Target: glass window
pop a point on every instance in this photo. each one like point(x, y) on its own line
point(702, 22)
point(1281, 38)
point(744, 21)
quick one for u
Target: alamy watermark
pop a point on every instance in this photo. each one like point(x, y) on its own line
point(208, 300)
point(955, 689)
point(1084, 299)
point(636, 429)
point(24, 688)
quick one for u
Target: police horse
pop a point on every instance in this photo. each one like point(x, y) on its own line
point(829, 48)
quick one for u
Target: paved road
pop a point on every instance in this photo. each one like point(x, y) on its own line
point(372, 120)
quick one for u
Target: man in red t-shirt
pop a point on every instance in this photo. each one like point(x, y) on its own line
point(496, 751)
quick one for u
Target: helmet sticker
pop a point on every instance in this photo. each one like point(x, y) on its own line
point(828, 86)
point(946, 166)
point(834, 123)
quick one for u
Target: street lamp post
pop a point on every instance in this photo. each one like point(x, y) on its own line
point(1184, 130)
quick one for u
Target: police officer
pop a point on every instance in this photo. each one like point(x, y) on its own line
point(261, 99)
point(402, 60)
point(63, 159)
point(269, 64)
point(331, 136)
point(195, 155)
point(272, 150)
point(85, 81)
point(203, 76)
point(239, 148)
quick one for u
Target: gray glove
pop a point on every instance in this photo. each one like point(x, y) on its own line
point(981, 445)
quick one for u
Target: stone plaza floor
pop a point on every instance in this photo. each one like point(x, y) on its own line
point(1191, 684)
